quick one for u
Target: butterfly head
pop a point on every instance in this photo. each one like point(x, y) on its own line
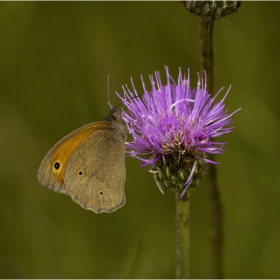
point(113, 115)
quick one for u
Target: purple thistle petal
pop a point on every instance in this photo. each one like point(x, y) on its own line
point(187, 184)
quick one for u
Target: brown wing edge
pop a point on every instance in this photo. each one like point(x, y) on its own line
point(45, 166)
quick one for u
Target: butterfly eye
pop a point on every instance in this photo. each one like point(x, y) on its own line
point(80, 173)
point(57, 165)
point(100, 193)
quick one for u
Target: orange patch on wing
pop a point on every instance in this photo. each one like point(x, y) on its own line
point(68, 146)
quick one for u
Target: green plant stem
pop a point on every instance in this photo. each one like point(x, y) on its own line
point(207, 52)
point(182, 236)
point(216, 230)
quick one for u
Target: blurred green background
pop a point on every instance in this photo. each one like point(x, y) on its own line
point(55, 59)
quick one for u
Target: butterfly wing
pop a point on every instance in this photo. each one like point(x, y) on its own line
point(95, 173)
point(51, 171)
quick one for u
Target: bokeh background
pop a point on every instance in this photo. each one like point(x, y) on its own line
point(55, 58)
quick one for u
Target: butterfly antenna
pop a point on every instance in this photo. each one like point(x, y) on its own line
point(126, 100)
point(108, 84)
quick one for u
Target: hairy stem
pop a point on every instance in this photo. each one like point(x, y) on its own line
point(216, 228)
point(182, 236)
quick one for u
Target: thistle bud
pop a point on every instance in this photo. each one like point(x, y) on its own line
point(174, 175)
point(211, 10)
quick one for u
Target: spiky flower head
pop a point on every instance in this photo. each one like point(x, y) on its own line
point(211, 10)
point(172, 129)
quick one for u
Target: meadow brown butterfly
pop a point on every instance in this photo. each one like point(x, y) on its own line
point(89, 165)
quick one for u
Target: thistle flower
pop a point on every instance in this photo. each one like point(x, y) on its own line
point(172, 129)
